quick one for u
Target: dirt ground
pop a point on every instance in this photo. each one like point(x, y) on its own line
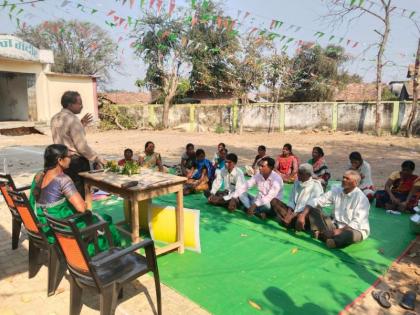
point(384, 154)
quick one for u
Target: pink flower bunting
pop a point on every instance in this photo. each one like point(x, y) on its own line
point(159, 5)
point(110, 13)
point(171, 7)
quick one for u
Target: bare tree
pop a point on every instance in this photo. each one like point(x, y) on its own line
point(342, 10)
point(415, 77)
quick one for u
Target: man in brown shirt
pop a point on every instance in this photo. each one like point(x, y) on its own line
point(67, 129)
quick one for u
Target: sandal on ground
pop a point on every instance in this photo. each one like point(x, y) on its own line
point(382, 297)
point(409, 300)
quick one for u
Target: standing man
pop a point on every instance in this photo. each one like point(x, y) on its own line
point(270, 186)
point(67, 129)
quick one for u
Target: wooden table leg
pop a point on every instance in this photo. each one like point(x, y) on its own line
point(135, 224)
point(88, 196)
point(180, 219)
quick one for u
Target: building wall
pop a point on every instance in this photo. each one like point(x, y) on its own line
point(40, 82)
point(57, 84)
point(46, 89)
point(13, 96)
point(358, 117)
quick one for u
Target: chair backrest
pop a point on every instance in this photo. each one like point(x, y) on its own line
point(25, 211)
point(70, 243)
point(7, 181)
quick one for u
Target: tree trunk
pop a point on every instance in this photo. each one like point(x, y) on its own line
point(244, 100)
point(171, 90)
point(379, 66)
point(415, 96)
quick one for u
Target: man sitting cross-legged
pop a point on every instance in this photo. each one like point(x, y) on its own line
point(349, 220)
point(232, 178)
point(270, 186)
point(304, 189)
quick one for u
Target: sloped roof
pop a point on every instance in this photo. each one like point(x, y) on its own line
point(410, 72)
point(409, 87)
point(125, 98)
point(356, 92)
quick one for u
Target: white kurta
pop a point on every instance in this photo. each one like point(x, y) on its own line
point(350, 209)
point(303, 192)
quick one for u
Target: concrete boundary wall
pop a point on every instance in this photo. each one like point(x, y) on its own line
point(343, 116)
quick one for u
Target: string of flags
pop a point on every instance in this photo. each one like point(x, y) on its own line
point(276, 30)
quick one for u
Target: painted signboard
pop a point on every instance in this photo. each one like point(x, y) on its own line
point(13, 47)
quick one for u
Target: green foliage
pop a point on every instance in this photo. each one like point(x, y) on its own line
point(248, 66)
point(79, 47)
point(158, 42)
point(278, 76)
point(387, 95)
point(316, 72)
point(211, 50)
point(115, 117)
point(129, 168)
point(219, 129)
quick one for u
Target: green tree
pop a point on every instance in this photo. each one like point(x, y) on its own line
point(213, 44)
point(278, 74)
point(79, 47)
point(161, 42)
point(316, 72)
point(248, 69)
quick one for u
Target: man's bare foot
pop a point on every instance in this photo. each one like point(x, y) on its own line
point(250, 213)
point(232, 205)
point(315, 234)
point(330, 243)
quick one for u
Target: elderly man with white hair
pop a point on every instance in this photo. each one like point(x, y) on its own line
point(349, 219)
point(305, 188)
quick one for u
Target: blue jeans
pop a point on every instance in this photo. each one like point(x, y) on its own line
point(249, 200)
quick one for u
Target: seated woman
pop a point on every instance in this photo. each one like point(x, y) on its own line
point(203, 175)
point(287, 164)
point(220, 161)
point(358, 164)
point(216, 156)
point(55, 192)
point(128, 157)
point(254, 168)
point(188, 161)
point(149, 158)
point(402, 190)
point(321, 171)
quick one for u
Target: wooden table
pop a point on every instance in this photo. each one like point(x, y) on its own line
point(150, 184)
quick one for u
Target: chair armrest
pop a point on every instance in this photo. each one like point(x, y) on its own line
point(125, 251)
point(93, 227)
point(23, 188)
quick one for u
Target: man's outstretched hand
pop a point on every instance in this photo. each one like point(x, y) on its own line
point(87, 119)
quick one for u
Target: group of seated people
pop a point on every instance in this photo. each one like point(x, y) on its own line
point(224, 184)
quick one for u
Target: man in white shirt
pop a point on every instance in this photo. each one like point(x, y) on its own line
point(349, 220)
point(231, 178)
point(270, 186)
point(304, 189)
point(363, 168)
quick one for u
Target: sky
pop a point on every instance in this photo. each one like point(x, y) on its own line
point(301, 20)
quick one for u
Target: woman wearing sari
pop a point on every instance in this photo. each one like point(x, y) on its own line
point(321, 171)
point(287, 164)
point(149, 158)
point(402, 190)
point(54, 192)
point(203, 174)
